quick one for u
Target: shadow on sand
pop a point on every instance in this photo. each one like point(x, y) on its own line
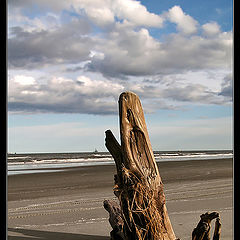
point(45, 235)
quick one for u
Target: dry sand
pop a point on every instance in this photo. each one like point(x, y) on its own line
point(68, 205)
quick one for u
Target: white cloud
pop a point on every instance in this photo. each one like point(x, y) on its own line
point(185, 23)
point(100, 15)
point(60, 94)
point(128, 52)
point(77, 56)
point(101, 12)
point(211, 29)
point(89, 86)
point(119, 50)
point(54, 46)
point(24, 80)
point(125, 50)
point(99, 95)
point(136, 13)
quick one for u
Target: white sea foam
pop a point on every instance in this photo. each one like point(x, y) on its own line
point(32, 163)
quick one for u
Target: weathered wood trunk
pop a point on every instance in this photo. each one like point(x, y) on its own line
point(141, 212)
point(138, 184)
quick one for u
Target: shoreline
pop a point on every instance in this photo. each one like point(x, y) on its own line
point(69, 204)
point(68, 168)
point(93, 176)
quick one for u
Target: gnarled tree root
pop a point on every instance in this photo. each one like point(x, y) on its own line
point(202, 231)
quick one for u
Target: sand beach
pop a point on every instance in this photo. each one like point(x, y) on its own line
point(68, 205)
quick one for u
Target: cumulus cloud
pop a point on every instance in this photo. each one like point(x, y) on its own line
point(95, 96)
point(63, 95)
point(24, 80)
point(37, 48)
point(211, 29)
point(101, 12)
point(136, 13)
point(137, 53)
point(69, 41)
point(185, 23)
point(125, 50)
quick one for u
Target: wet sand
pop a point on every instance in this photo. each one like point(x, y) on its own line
point(69, 204)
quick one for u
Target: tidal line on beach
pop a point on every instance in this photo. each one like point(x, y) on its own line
point(50, 213)
point(63, 203)
point(199, 195)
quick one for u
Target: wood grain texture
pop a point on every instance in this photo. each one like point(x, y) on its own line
point(138, 184)
point(141, 213)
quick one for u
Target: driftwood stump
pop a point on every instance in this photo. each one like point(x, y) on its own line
point(202, 231)
point(141, 212)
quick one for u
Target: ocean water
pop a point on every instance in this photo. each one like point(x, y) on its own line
point(52, 162)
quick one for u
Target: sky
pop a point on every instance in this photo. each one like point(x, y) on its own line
point(68, 62)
